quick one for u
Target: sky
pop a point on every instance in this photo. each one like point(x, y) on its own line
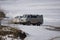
point(50, 9)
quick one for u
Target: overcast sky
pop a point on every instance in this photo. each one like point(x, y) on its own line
point(49, 8)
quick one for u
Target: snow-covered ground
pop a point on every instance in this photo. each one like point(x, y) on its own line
point(50, 9)
point(36, 32)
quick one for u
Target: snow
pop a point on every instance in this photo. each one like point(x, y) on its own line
point(9, 37)
point(36, 32)
point(50, 9)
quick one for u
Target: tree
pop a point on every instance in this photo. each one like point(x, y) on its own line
point(2, 15)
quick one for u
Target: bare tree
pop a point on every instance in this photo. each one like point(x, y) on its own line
point(2, 15)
